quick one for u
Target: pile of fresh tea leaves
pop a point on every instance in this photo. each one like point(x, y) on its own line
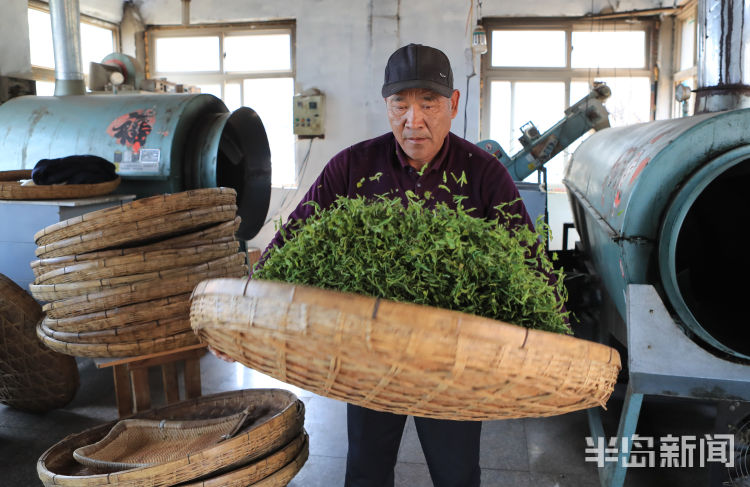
point(438, 256)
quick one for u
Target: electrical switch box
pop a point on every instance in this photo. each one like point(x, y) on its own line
point(309, 115)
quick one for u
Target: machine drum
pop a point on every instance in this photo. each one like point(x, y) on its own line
point(712, 263)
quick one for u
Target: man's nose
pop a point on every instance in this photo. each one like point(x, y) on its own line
point(414, 116)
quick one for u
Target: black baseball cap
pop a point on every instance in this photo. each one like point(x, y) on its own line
point(418, 66)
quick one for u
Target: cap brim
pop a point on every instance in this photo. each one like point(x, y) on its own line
point(393, 88)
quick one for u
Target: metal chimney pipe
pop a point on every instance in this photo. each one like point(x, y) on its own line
point(185, 12)
point(66, 37)
point(723, 60)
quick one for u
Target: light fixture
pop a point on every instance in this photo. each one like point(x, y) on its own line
point(479, 39)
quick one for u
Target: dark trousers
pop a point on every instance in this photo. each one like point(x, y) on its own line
point(451, 448)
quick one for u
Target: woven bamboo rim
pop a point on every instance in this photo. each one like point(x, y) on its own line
point(135, 293)
point(32, 377)
point(11, 189)
point(280, 421)
point(151, 329)
point(275, 470)
point(15, 175)
point(123, 316)
point(133, 443)
point(214, 235)
point(287, 473)
point(138, 263)
point(134, 233)
point(53, 292)
point(400, 357)
point(134, 211)
point(141, 346)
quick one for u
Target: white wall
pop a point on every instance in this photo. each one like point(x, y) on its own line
point(14, 39)
point(109, 10)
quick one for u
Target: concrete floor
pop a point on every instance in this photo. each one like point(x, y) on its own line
point(547, 452)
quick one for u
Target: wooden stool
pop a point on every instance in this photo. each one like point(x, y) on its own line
point(253, 256)
point(131, 377)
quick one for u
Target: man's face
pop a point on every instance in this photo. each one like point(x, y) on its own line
point(420, 120)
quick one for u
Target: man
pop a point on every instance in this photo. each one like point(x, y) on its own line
point(420, 155)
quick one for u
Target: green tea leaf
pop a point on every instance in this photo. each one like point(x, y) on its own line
point(437, 256)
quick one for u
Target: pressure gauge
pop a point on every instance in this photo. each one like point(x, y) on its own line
point(682, 92)
point(116, 78)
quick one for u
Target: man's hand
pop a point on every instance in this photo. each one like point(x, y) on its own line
point(221, 355)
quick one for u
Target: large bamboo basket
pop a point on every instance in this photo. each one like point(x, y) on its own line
point(141, 346)
point(214, 235)
point(11, 189)
point(279, 421)
point(286, 474)
point(137, 263)
point(139, 232)
point(133, 443)
point(53, 292)
point(400, 357)
point(135, 211)
point(32, 377)
point(276, 470)
point(135, 293)
point(151, 329)
point(110, 320)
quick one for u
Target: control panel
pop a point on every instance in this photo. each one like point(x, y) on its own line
point(309, 114)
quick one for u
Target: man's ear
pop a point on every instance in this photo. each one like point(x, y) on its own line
point(454, 103)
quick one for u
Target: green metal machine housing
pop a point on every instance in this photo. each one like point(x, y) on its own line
point(160, 143)
point(662, 203)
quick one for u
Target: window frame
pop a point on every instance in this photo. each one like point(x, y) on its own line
point(43, 73)
point(566, 74)
point(689, 11)
point(222, 31)
point(221, 77)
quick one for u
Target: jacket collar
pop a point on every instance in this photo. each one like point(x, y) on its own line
point(436, 163)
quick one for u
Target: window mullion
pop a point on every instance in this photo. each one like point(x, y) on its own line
point(221, 56)
point(529, 74)
point(512, 115)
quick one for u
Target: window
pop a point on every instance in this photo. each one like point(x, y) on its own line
point(685, 52)
point(541, 48)
point(98, 39)
point(245, 65)
point(187, 54)
point(535, 69)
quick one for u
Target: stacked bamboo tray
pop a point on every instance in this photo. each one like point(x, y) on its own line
point(268, 449)
point(117, 281)
point(11, 188)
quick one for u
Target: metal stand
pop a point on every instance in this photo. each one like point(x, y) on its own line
point(613, 474)
point(662, 360)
